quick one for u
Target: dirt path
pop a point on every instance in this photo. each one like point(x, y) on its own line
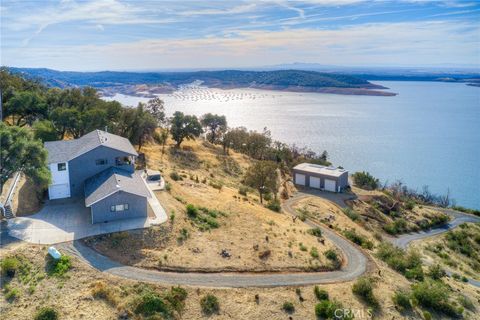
point(355, 265)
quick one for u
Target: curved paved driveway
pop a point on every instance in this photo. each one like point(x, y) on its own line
point(458, 218)
point(355, 266)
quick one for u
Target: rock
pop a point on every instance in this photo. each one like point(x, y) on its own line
point(265, 254)
point(225, 254)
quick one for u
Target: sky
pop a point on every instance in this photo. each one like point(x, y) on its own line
point(153, 35)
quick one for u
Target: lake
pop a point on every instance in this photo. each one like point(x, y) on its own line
point(426, 135)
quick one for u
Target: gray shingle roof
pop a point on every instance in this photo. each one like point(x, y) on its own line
point(111, 181)
point(63, 151)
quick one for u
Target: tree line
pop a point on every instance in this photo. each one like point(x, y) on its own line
point(35, 113)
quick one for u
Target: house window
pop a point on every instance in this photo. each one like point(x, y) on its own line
point(119, 207)
point(62, 166)
point(101, 162)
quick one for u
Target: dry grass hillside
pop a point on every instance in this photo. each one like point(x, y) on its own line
point(85, 293)
point(457, 250)
point(382, 212)
point(252, 237)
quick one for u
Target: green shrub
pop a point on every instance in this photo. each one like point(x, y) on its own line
point(410, 204)
point(59, 267)
point(192, 211)
point(9, 266)
point(209, 304)
point(353, 236)
point(320, 293)
point(274, 205)
point(184, 235)
point(11, 293)
point(365, 180)
point(351, 214)
point(46, 313)
point(168, 186)
point(402, 300)
point(325, 309)
point(436, 272)
point(396, 227)
point(427, 315)
point(151, 303)
point(435, 295)
point(314, 253)
point(331, 255)
point(317, 232)
point(176, 298)
point(288, 307)
point(175, 176)
point(363, 289)
point(302, 247)
point(408, 264)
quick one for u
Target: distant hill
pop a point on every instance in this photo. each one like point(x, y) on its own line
point(288, 80)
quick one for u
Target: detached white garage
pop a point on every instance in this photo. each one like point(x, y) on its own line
point(300, 179)
point(320, 177)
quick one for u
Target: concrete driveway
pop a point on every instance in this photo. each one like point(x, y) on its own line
point(67, 220)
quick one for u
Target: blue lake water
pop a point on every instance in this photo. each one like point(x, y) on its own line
point(426, 135)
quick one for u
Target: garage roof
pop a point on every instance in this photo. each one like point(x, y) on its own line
point(319, 169)
point(112, 180)
point(66, 150)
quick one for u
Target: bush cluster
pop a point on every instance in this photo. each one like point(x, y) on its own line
point(59, 267)
point(274, 205)
point(408, 264)
point(210, 304)
point(288, 307)
point(363, 288)
point(435, 295)
point(362, 241)
point(9, 266)
point(365, 180)
point(46, 313)
point(320, 294)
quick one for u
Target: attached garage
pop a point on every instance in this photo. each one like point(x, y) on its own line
point(320, 177)
point(59, 191)
point(300, 179)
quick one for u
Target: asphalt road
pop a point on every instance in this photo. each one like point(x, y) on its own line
point(355, 260)
point(354, 266)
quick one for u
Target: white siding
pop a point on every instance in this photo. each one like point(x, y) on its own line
point(60, 187)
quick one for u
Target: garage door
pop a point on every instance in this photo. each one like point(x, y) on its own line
point(58, 191)
point(330, 185)
point(315, 182)
point(300, 179)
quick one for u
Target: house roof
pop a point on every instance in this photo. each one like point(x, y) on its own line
point(319, 169)
point(66, 150)
point(112, 180)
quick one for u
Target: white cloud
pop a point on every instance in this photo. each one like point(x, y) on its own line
point(370, 44)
